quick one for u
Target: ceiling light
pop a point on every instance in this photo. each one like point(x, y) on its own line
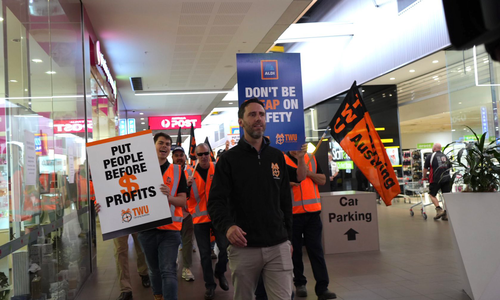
point(304, 32)
point(37, 60)
point(25, 90)
point(230, 103)
point(435, 61)
point(50, 72)
point(435, 76)
point(186, 92)
point(1, 19)
point(392, 78)
point(12, 80)
point(412, 71)
point(143, 123)
point(459, 102)
point(142, 119)
point(141, 113)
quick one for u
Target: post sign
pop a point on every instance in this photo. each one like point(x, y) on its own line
point(350, 222)
point(275, 79)
point(171, 122)
point(127, 180)
point(71, 126)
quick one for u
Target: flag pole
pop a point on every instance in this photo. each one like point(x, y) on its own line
point(319, 144)
point(195, 166)
point(321, 140)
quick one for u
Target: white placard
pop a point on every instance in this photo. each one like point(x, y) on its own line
point(127, 180)
point(29, 158)
point(350, 222)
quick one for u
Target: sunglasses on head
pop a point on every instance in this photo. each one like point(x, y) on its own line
point(202, 153)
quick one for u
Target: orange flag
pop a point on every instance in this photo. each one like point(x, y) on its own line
point(353, 129)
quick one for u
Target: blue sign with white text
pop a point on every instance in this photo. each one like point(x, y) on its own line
point(131, 125)
point(275, 79)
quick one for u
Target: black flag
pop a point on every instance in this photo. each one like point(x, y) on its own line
point(212, 157)
point(192, 145)
point(179, 138)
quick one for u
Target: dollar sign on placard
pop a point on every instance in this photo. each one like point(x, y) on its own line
point(126, 182)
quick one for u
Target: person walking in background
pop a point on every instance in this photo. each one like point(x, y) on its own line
point(438, 166)
point(122, 265)
point(250, 202)
point(199, 182)
point(187, 231)
point(307, 229)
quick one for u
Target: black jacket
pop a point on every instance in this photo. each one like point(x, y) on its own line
point(252, 191)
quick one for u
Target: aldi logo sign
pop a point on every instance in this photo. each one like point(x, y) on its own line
point(269, 69)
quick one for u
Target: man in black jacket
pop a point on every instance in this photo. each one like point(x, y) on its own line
point(250, 201)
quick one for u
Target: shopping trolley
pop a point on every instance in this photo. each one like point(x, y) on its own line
point(417, 188)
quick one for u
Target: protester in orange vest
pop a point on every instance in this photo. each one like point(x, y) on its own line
point(179, 158)
point(160, 245)
point(307, 227)
point(200, 182)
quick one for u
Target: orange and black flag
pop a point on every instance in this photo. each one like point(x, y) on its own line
point(212, 156)
point(192, 145)
point(353, 129)
point(179, 138)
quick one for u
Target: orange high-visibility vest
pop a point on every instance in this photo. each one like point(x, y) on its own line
point(172, 178)
point(305, 197)
point(198, 199)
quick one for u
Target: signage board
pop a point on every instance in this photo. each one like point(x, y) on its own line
point(174, 122)
point(127, 180)
point(276, 80)
point(350, 222)
point(71, 126)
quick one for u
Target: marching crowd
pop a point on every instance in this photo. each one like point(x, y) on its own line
point(262, 207)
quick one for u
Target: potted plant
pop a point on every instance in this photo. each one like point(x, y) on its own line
point(473, 215)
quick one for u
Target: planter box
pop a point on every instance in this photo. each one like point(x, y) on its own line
point(475, 221)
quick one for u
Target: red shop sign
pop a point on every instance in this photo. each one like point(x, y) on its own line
point(164, 123)
point(71, 126)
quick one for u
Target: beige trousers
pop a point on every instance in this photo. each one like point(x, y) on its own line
point(275, 264)
point(121, 256)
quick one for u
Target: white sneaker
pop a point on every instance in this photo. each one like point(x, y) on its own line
point(187, 275)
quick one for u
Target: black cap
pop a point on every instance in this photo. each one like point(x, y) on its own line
point(177, 148)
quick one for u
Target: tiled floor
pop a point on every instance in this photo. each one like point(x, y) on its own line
point(416, 261)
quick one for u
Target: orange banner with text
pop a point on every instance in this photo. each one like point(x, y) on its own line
point(353, 129)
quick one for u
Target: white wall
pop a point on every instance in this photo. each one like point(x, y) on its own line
point(410, 140)
point(382, 41)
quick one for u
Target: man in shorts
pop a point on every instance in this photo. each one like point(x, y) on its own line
point(438, 167)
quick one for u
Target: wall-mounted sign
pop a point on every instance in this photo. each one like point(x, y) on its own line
point(345, 165)
point(101, 62)
point(165, 123)
point(71, 126)
point(484, 120)
point(425, 145)
point(131, 125)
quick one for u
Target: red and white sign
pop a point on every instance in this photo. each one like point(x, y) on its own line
point(71, 126)
point(164, 123)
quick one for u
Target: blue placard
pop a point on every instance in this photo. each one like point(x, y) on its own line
point(275, 78)
point(131, 125)
point(122, 127)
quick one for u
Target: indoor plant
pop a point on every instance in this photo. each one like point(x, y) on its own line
point(474, 216)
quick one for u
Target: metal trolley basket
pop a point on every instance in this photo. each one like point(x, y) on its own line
point(417, 188)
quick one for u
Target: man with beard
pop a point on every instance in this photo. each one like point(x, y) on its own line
point(250, 202)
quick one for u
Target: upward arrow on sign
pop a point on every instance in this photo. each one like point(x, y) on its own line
point(351, 234)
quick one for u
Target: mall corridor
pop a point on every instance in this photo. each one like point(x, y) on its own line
point(417, 260)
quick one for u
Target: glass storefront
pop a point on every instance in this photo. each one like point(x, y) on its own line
point(53, 102)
